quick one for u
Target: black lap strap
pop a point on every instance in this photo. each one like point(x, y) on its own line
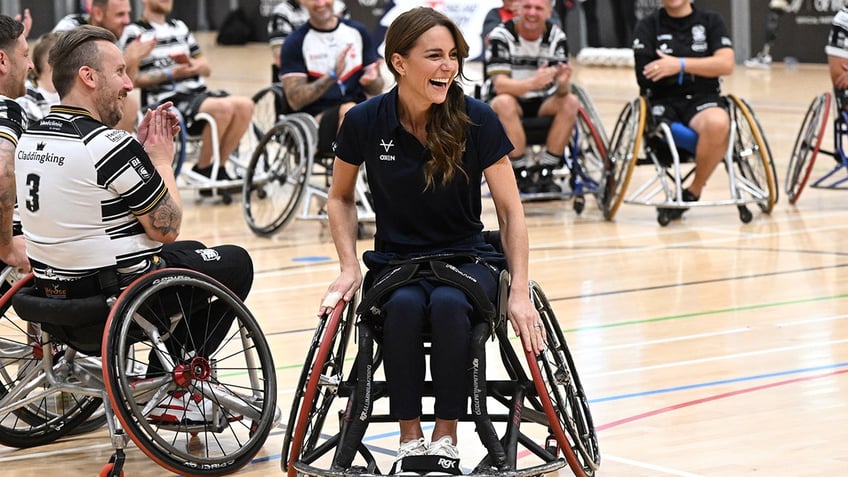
point(440, 269)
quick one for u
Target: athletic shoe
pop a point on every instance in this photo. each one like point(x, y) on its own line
point(444, 448)
point(760, 61)
point(221, 176)
point(414, 447)
point(183, 408)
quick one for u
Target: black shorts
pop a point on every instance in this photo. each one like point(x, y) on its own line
point(188, 104)
point(530, 107)
point(683, 109)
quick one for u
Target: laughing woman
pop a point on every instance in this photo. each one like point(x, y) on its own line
point(426, 147)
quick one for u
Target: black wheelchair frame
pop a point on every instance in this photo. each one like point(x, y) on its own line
point(546, 391)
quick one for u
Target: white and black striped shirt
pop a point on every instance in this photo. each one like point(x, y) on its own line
point(510, 54)
point(81, 186)
point(172, 37)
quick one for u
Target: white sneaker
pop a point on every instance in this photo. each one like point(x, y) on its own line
point(443, 447)
point(415, 447)
point(760, 61)
point(183, 408)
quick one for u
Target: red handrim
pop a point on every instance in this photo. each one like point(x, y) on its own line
point(557, 430)
point(812, 160)
point(312, 385)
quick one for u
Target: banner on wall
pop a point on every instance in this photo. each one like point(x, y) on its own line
point(467, 14)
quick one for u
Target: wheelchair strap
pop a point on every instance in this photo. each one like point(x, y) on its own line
point(435, 268)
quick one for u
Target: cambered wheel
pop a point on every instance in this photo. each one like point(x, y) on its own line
point(807, 146)
point(221, 399)
point(46, 419)
point(562, 396)
point(751, 156)
point(317, 387)
point(275, 180)
point(625, 146)
point(588, 175)
point(268, 106)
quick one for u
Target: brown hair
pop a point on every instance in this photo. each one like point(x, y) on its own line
point(447, 123)
point(73, 50)
point(10, 30)
point(40, 52)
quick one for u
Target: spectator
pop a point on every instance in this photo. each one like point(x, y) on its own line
point(499, 15)
point(528, 73)
point(174, 71)
point(40, 94)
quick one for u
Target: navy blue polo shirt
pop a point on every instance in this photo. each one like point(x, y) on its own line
point(409, 216)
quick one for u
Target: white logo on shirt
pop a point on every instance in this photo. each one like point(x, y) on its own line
point(385, 145)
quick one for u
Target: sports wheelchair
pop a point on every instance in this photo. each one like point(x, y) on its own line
point(288, 174)
point(60, 360)
point(808, 145)
point(584, 153)
point(541, 405)
point(639, 140)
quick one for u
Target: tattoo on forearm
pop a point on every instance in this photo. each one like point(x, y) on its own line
point(302, 93)
point(166, 216)
point(7, 189)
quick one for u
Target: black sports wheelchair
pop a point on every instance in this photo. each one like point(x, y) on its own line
point(640, 140)
point(533, 418)
point(62, 359)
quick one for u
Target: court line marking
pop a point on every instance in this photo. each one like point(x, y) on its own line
point(816, 344)
point(645, 465)
point(714, 397)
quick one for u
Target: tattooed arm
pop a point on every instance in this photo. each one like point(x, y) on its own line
point(12, 251)
point(162, 222)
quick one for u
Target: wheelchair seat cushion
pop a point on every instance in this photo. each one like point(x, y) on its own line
point(77, 322)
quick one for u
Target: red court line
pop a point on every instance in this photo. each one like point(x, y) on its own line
point(714, 398)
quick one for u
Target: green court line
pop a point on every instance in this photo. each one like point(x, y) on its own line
point(664, 318)
point(707, 313)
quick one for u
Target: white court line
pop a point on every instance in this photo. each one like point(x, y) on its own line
point(640, 344)
point(811, 320)
point(818, 344)
point(644, 465)
point(627, 250)
point(51, 453)
point(739, 235)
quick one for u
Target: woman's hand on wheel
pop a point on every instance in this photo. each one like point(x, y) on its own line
point(526, 323)
point(344, 287)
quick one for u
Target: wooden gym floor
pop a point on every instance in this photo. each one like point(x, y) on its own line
point(707, 348)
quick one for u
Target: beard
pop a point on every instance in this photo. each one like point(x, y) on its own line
point(111, 111)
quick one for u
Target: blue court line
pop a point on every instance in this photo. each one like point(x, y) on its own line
point(718, 383)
